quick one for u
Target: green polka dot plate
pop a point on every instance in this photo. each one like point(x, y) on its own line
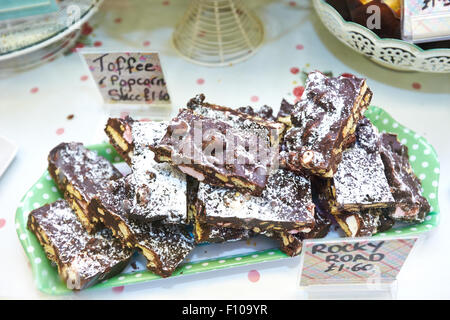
point(211, 257)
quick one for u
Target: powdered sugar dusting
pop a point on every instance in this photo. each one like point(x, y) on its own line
point(360, 177)
point(243, 118)
point(212, 146)
point(159, 189)
point(405, 186)
point(85, 255)
point(319, 117)
point(145, 133)
point(171, 243)
point(83, 167)
point(287, 197)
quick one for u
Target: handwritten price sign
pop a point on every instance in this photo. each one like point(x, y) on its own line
point(129, 77)
point(353, 260)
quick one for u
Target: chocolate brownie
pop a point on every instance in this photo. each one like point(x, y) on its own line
point(214, 152)
point(206, 233)
point(360, 182)
point(285, 205)
point(323, 121)
point(159, 190)
point(321, 227)
point(291, 244)
point(365, 223)
point(265, 112)
point(80, 173)
point(406, 188)
point(82, 259)
point(124, 134)
point(118, 131)
point(285, 112)
point(191, 197)
point(260, 120)
point(203, 232)
point(164, 246)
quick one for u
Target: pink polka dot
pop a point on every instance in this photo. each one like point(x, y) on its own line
point(34, 90)
point(118, 20)
point(118, 289)
point(416, 85)
point(292, 3)
point(2, 223)
point(253, 276)
point(298, 91)
point(59, 131)
point(295, 70)
point(299, 47)
point(146, 43)
point(165, 3)
point(98, 44)
point(84, 78)
point(254, 99)
point(200, 81)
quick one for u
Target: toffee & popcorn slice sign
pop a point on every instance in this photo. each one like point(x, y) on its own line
point(129, 77)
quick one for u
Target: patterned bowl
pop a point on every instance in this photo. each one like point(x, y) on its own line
point(391, 53)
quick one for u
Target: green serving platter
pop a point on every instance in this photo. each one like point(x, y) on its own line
point(423, 159)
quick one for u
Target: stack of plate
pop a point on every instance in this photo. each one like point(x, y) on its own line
point(25, 43)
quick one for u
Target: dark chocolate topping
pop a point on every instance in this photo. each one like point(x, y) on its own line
point(83, 168)
point(322, 225)
point(286, 198)
point(159, 190)
point(265, 112)
point(366, 222)
point(85, 255)
point(405, 186)
point(286, 109)
point(235, 118)
point(223, 149)
point(214, 234)
point(320, 118)
point(360, 177)
point(171, 243)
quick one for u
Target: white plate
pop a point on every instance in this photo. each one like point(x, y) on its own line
point(8, 151)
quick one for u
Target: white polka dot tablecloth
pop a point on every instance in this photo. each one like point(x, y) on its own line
point(58, 102)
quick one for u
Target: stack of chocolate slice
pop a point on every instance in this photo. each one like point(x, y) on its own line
point(363, 178)
point(227, 175)
point(105, 216)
